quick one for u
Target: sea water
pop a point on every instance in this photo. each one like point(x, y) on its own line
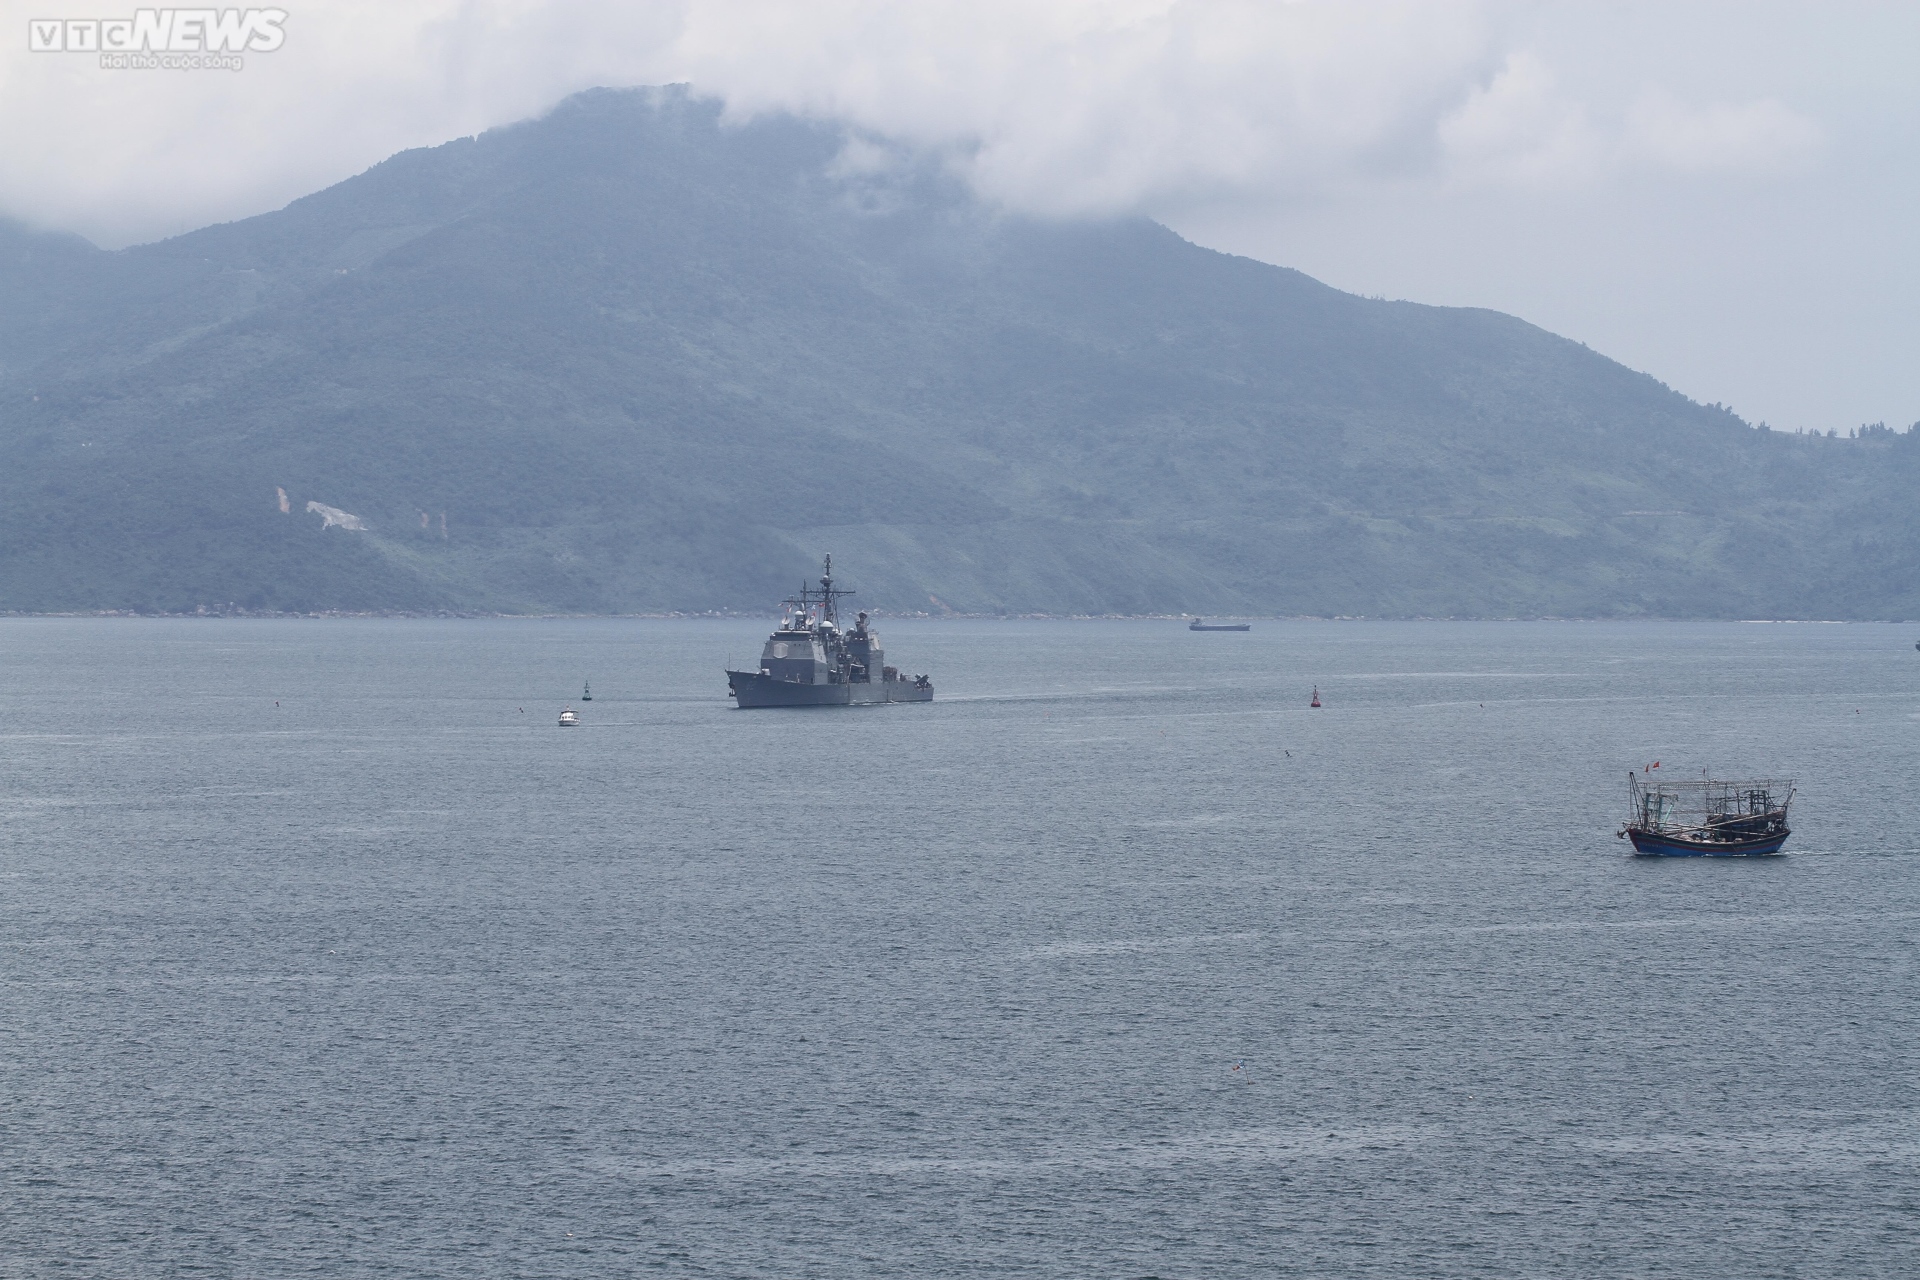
point(324, 951)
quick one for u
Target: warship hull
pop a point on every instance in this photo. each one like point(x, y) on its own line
point(758, 689)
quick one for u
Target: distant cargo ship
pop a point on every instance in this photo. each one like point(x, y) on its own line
point(1705, 817)
point(1201, 624)
point(810, 662)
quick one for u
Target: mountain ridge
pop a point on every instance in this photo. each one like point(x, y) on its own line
point(628, 358)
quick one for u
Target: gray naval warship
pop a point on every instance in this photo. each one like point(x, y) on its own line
point(810, 662)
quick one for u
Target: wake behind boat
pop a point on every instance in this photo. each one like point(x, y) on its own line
point(810, 662)
point(1706, 817)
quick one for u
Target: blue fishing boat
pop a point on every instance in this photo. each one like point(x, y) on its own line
point(1706, 817)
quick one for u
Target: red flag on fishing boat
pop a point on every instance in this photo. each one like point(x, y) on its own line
point(1650, 768)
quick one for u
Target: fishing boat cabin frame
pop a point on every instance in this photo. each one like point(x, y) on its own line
point(1706, 817)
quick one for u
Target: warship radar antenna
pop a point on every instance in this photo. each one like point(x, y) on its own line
point(829, 593)
point(809, 599)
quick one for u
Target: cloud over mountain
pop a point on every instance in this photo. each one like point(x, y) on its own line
point(1079, 106)
point(1567, 162)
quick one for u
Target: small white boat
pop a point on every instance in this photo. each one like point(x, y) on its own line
point(569, 718)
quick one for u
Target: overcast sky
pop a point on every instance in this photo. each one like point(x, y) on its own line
point(1721, 194)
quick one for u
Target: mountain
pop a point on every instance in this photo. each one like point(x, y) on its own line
point(631, 358)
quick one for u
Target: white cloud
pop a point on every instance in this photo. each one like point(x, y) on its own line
point(1074, 105)
point(1519, 127)
point(126, 154)
point(1064, 107)
point(1097, 106)
point(1752, 137)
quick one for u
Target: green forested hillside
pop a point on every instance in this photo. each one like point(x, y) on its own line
point(641, 361)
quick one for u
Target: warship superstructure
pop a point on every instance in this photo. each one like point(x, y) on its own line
point(810, 662)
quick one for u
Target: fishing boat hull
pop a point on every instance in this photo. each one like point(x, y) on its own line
point(1654, 844)
point(1242, 626)
point(755, 689)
